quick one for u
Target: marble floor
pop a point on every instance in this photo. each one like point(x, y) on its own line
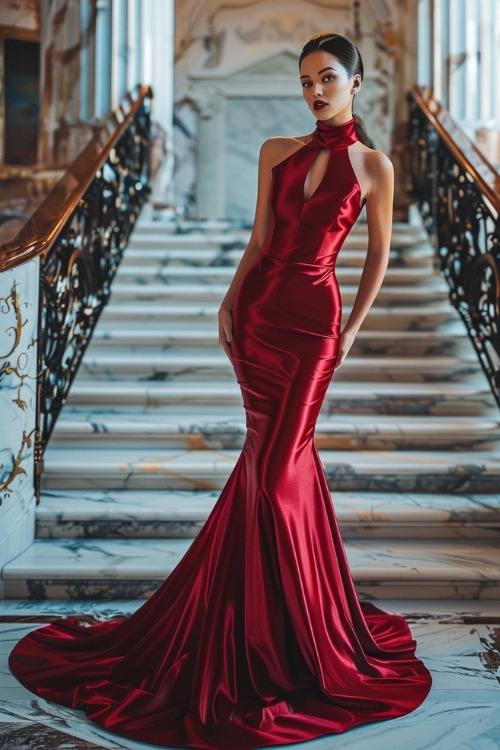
point(458, 640)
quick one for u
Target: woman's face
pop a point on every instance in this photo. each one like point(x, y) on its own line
point(327, 88)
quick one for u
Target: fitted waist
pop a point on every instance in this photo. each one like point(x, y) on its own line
point(288, 265)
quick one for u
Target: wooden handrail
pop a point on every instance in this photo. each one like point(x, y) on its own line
point(463, 149)
point(40, 231)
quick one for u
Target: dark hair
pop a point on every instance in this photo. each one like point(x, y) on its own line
point(349, 56)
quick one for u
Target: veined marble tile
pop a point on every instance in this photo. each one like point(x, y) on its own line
point(32, 736)
point(450, 636)
point(106, 559)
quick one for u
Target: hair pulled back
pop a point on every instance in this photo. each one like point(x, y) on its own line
point(349, 56)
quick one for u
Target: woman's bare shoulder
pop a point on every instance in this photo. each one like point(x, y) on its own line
point(374, 165)
point(379, 168)
point(276, 149)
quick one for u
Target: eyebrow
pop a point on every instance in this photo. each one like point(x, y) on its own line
point(319, 72)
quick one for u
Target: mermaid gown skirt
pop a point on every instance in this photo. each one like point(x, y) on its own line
point(257, 637)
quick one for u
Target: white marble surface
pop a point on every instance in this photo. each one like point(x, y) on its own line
point(461, 711)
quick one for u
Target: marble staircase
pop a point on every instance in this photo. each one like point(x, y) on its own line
point(409, 433)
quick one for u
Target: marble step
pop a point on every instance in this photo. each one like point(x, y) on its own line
point(159, 236)
point(204, 335)
point(196, 364)
point(134, 568)
point(197, 232)
point(149, 271)
point(167, 254)
point(433, 293)
point(351, 471)
point(73, 514)
point(418, 317)
point(341, 398)
point(223, 427)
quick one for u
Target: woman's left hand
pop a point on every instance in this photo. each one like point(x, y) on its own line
point(346, 341)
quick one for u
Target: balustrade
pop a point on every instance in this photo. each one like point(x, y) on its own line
point(79, 232)
point(458, 194)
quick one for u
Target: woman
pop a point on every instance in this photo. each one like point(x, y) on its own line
point(257, 638)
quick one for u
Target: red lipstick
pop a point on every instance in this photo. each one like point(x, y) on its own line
point(320, 105)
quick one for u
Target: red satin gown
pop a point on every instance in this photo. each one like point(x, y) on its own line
point(257, 638)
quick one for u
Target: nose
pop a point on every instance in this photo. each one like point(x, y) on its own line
point(317, 89)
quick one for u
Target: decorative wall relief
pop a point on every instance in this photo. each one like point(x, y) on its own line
point(18, 386)
point(18, 377)
point(228, 51)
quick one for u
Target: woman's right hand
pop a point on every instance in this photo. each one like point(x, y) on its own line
point(226, 331)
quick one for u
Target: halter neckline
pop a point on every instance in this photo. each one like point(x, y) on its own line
point(335, 136)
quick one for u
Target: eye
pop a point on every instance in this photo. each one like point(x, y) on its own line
point(306, 84)
point(328, 78)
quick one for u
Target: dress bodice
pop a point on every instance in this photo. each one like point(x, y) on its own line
point(312, 230)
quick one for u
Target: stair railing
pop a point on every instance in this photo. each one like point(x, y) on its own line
point(79, 232)
point(458, 194)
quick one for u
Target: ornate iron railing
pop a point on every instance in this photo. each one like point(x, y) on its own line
point(458, 194)
point(80, 231)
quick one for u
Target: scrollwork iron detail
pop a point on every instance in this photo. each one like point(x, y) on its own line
point(77, 272)
point(465, 228)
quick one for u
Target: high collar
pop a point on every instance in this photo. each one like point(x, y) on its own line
point(335, 136)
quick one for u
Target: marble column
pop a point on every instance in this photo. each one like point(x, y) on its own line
point(210, 154)
point(238, 107)
point(18, 367)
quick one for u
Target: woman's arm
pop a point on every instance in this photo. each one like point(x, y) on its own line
point(379, 218)
point(255, 243)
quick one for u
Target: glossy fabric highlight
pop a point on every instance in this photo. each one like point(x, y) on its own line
point(257, 638)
